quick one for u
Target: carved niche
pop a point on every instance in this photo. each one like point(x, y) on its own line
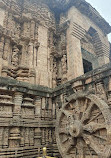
point(15, 56)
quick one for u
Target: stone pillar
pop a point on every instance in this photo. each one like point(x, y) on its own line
point(18, 102)
point(5, 137)
point(27, 137)
point(14, 139)
point(64, 57)
point(1, 137)
point(25, 29)
point(24, 57)
point(32, 30)
point(74, 55)
point(15, 131)
point(6, 49)
point(22, 137)
point(43, 136)
point(51, 62)
point(53, 136)
point(64, 68)
point(37, 137)
point(47, 135)
point(38, 107)
point(1, 52)
point(1, 46)
point(36, 32)
point(50, 103)
point(31, 51)
point(54, 75)
point(32, 76)
point(5, 57)
point(50, 136)
point(31, 137)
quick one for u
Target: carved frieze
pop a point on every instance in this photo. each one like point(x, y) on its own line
point(35, 48)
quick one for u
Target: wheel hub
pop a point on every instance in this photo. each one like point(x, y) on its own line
point(76, 128)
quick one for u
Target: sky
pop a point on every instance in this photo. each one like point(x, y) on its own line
point(104, 8)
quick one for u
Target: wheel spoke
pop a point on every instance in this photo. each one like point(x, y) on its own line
point(67, 113)
point(71, 105)
point(93, 127)
point(100, 137)
point(80, 148)
point(89, 151)
point(90, 142)
point(85, 104)
point(69, 145)
point(95, 117)
point(77, 110)
point(87, 113)
point(66, 139)
point(63, 130)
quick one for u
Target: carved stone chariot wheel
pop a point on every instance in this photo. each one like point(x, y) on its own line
point(83, 128)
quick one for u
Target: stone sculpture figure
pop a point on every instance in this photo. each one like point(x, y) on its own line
point(64, 65)
point(15, 56)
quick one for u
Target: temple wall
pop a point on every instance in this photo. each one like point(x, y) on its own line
point(78, 35)
point(24, 42)
point(74, 57)
point(34, 49)
point(27, 119)
point(2, 13)
point(41, 67)
point(28, 112)
point(82, 24)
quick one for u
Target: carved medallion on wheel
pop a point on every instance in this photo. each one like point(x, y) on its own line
point(83, 128)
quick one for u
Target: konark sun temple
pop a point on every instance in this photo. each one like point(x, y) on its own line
point(55, 80)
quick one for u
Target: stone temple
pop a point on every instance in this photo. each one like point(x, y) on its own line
point(55, 80)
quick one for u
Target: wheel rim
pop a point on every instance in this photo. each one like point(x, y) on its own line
point(83, 128)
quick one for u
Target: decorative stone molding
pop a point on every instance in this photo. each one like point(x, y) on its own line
point(78, 31)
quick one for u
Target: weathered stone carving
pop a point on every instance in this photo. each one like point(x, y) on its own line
point(6, 49)
point(15, 56)
point(83, 127)
point(28, 116)
point(64, 67)
point(26, 24)
point(100, 91)
point(1, 46)
point(45, 43)
point(54, 74)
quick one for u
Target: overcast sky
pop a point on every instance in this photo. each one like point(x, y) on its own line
point(104, 8)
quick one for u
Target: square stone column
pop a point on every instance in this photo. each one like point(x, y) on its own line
point(74, 55)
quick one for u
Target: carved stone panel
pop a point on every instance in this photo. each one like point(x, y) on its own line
point(27, 112)
point(83, 127)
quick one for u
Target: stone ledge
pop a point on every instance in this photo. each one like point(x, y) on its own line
point(14, 85)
